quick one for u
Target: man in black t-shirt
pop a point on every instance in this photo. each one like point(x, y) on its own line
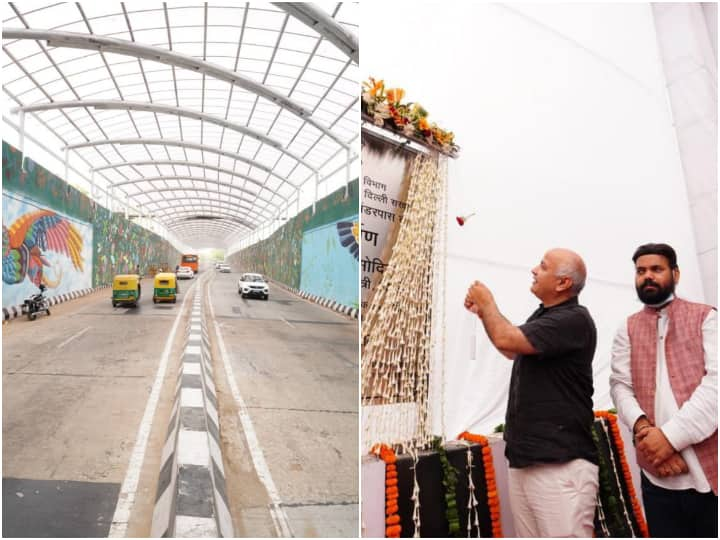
point(553, 474)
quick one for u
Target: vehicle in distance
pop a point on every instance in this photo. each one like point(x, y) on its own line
point(191, 261)
point(185, 272)
point(253, 285)
point(225, 268)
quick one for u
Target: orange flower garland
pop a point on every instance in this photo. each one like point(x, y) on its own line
point(386, 108)
point(492, 491)
point(617, 439)
point(392, 520)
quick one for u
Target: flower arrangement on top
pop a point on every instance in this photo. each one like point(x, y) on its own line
point(386, 110)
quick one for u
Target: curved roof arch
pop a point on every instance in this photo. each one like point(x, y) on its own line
point(211, 181)
point(163, 109)
point(261, 211)
point(219, 222)
point(195, 164)
point(254, 91)
point(214, 227)
point(328, 28)
point(175, 202)
point(171, 58)
point(205, 214)
point(183, 144)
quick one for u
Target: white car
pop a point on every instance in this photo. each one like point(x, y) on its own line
point(253, 285)
point(225, 268)
point(185, 272)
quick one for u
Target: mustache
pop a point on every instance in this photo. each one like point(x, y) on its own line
point(649, 282)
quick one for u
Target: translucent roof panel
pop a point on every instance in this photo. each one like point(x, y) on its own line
point(243, 103)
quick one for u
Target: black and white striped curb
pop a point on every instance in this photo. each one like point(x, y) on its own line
point(326, 302)
point(14, 312)
point(192, 498)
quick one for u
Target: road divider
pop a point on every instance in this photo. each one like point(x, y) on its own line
point(191, 499)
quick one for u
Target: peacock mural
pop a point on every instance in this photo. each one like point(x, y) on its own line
point(42, 246)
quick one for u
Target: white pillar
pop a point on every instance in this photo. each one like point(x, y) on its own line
point(347, 172)
point(21, 132)
point(687, 34)
point(67, 167)
point(317, 181)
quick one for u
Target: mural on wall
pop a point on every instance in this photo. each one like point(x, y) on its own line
point(42, 246)
point(116, 244)
point(329, 268)
point(280, 255)
point(122, 246)
point(349, 232)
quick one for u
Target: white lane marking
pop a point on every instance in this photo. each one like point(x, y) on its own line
point(288, 322)
point(193, 448)
point(126, 498)
point(192, 349)
point(277, 512)
point(68, 340)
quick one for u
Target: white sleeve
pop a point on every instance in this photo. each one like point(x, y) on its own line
point(697, 418)
point(621, 388)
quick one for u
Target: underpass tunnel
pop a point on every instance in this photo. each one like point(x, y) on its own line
point(139, 140)
point(150, 133)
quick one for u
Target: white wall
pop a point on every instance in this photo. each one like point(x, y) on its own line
point(567, 140)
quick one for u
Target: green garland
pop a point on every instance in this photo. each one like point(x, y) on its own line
point(608, 490)
point(450, 482)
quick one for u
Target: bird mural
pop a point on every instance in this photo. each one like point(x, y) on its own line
point(349, 232)
point(27, 240)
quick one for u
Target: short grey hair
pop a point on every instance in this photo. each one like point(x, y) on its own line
point(575, 273)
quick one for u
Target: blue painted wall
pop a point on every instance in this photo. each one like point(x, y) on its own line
point(329, 268)
point(310, 252)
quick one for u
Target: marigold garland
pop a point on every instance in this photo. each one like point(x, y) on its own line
point(392, 519)
point(492, 491)
point(617, 439)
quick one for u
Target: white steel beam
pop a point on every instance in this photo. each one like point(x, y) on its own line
point(105, 44)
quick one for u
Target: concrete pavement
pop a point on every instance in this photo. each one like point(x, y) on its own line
point(295, 365)
point(75, 387)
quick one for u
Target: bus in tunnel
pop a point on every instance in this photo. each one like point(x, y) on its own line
point(191, 261)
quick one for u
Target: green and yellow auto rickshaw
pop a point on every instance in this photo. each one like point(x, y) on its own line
point(165, 288)
point(126, 290)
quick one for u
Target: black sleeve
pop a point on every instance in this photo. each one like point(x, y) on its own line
point(557, 332)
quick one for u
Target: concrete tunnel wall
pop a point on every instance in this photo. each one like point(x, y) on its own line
point(315, 253)
point(83, 243)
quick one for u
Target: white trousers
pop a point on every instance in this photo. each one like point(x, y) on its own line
point(554, 500)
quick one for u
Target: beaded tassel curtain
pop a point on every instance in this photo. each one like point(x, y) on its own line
point(396, 330)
